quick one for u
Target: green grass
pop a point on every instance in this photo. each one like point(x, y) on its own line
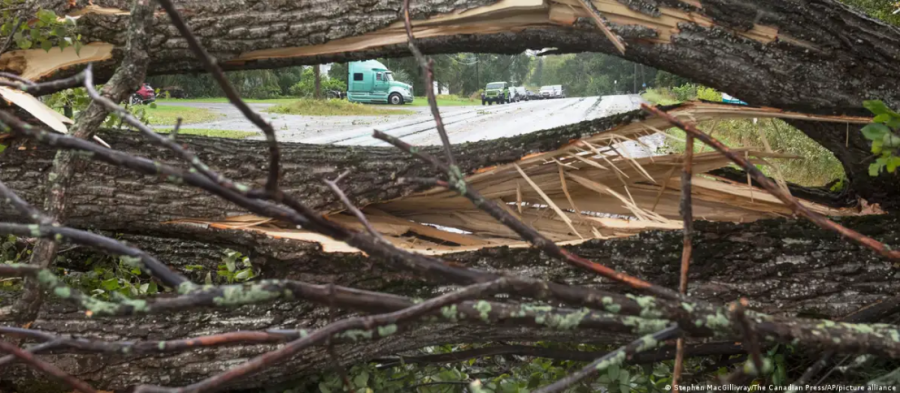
point(220, 100)
point(816, 167)
point(442, 100)
point(310, 107)
point(446, 100)
point(168, 114)
point(231, 134)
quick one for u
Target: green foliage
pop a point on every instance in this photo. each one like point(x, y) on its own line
point(883, 134)
point(306, 86)
point(817, 166)
point(77, 100)
point(881, 9)
point(42, 30)
point(11, 252)
point(109, 278)
point(590, 74)
point(214, 133)
point(334, 107)
point(253, 84)
point(235, 267)
point(669, 80)
point(168, 114)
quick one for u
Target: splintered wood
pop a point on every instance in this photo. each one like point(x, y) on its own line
point(590, 188)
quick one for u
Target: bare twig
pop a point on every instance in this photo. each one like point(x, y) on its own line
point(46, 368)
point(232, 94)
point(613, 358)
point(377, 326)
point(332, 184)
point(772, 188)
point(428, 74)
point(751, 338)
point(687, 216)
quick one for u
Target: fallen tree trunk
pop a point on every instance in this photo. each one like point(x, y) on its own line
point(785, 267)
point(811, 55)
point(110, 198)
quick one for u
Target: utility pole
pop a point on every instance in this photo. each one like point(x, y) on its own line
point(477, 77)
point(318, 82)
point(634, 79)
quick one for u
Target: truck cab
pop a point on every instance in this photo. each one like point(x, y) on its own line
point(371, 82)
point(495, 92)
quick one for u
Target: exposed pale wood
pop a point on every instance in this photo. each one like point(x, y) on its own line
point(36, 108)
point(549, 201)
point(34, 64)
point(425, 230)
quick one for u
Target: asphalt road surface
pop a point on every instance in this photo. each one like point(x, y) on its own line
point(463, 123)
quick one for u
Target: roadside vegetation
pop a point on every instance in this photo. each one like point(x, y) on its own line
point(816, 166)
point(230, 134)
point(169, 114)
point(312, 107)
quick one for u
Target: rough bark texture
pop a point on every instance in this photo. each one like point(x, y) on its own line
point(105, 197)
point(127, 78)
point(786, 267)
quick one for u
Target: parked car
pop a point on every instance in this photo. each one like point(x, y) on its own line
point(371, 82)
point(144, 95)
point(546, 92)
point(530, 95)
point(553, 91)
point(518, 94)
point(495, 92)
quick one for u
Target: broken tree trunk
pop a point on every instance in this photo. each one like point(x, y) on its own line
point(110, 198)
point(786, 267)
point(812, 55)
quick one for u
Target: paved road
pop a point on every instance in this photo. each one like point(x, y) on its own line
point(463, 123)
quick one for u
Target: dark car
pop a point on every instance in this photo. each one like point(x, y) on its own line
point(144, 95)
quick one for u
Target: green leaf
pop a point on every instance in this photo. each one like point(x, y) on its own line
point(894, 123)
point(144, 287)
point(2, 147)
point(875, 131)
point(229, 264)
point(324, 388)
point(152, 289)
point(110, 285)
point(890, 140)
point(878, 107)
point(877, 146)
point(244, 275)
point(875, 167)
point(613, 372)
point(892, 163)
point(361, 380)
point(882, 118)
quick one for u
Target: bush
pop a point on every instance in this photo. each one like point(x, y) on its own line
point(307, 85)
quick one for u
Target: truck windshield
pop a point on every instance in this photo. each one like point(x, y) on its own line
point(492, 86)
point(389, 76)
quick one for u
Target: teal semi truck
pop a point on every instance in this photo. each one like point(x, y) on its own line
point(372, 83)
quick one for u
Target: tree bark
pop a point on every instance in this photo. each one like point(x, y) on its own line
point(785, 267)
point(112, 198)
point(809, 55)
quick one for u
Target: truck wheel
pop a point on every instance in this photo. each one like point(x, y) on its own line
point(395, 99)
